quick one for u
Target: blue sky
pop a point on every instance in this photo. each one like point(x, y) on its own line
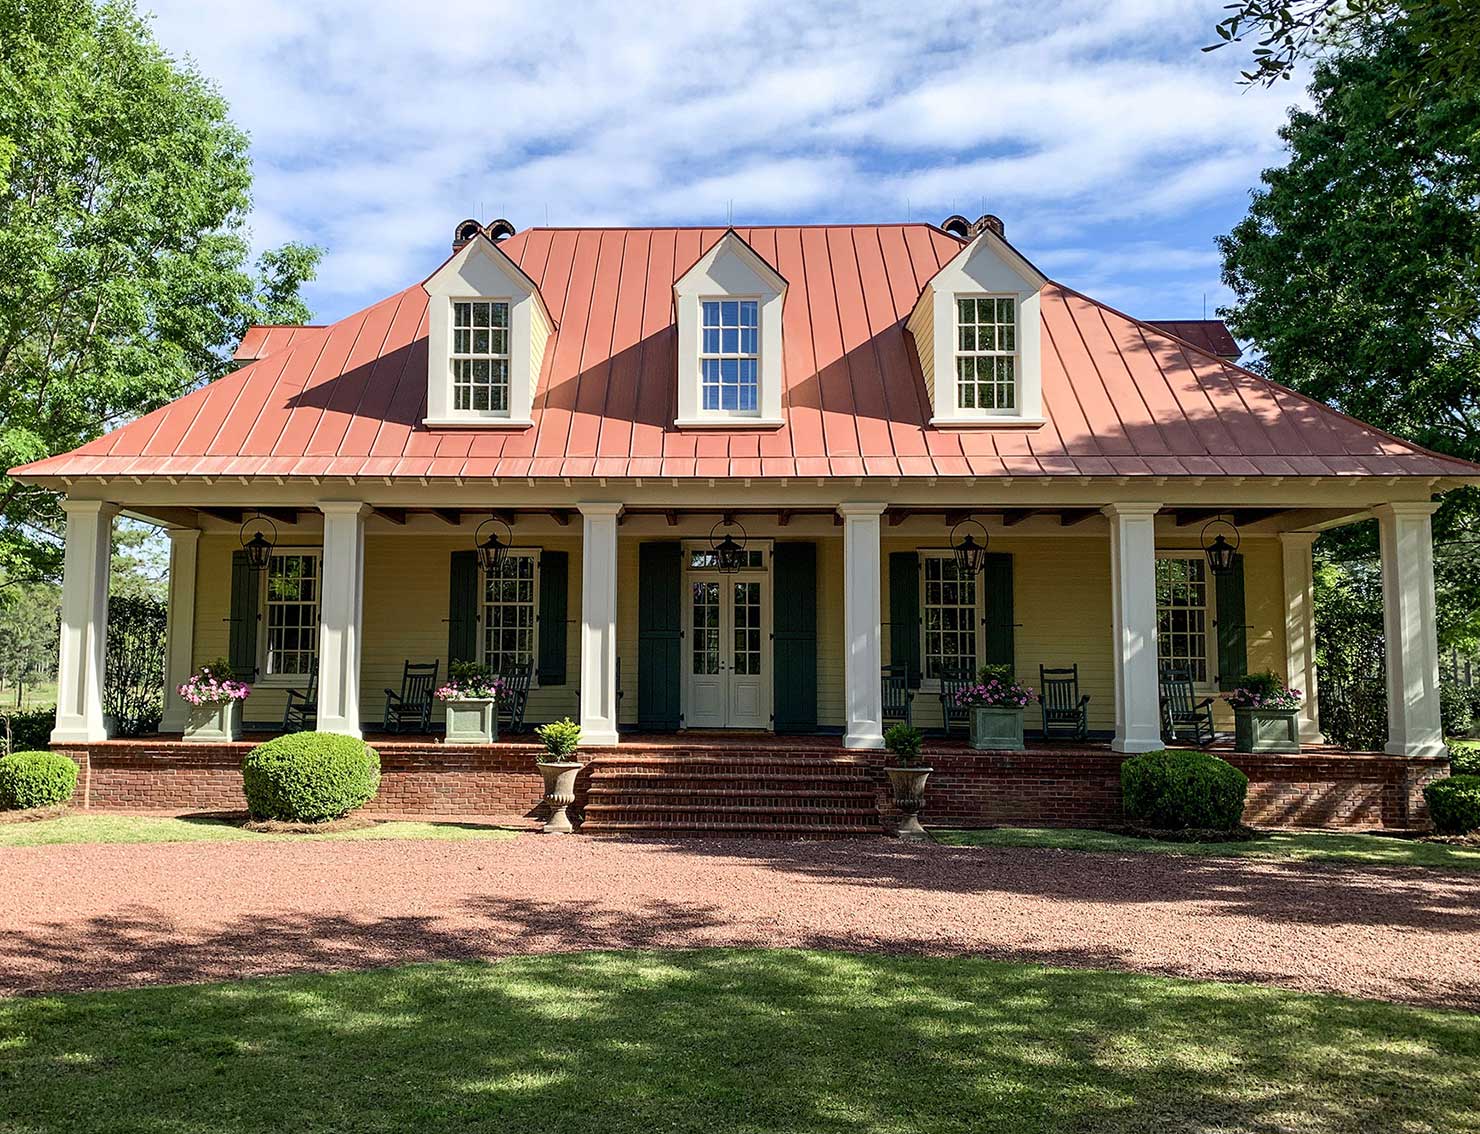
point(1114, 149)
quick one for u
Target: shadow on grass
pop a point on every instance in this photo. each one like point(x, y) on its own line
point(731, 1041)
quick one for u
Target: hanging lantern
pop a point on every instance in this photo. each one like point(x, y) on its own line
point(259, 545)
point(492, 551)
point(971, 556)
point(1219, 550)
point(729, 553)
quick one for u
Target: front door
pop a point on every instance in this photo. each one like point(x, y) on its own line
point(729, 654)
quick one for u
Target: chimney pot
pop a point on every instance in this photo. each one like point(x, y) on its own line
point(957, 226)
point(986, 221)
point(465, 232)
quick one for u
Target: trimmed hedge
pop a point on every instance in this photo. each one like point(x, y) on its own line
point(30, 729)
point(1454, 804)
point(1176, 789)
point(309, 777)
point(36, 779)
point(1464, 757)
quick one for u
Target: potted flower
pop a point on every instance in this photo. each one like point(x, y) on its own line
point(1265, 714)
point(996, 703)
point(907, 776)
point(559, 768)
point(472, 694)
point(215, 698)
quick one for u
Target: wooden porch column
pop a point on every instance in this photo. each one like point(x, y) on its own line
point(84, 630)
point(599, 623)
point(180, 626)
point(1300, 628)
point(1415, 727)
point(341, 597)
point(1133, 601)
point(861, 630)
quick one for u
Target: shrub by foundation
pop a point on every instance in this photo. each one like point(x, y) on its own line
point(36, 779)
point(1176, 790)
point(309, 777)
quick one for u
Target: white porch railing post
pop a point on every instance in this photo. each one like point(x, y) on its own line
point(84, 629)
point(341, 599)
point(861, 625)
point(1133, 602)
point(599, 623)
point(1415, 726)
point(179, 650)
point(1300, 628)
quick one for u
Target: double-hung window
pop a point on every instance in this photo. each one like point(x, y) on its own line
point(480, 355)
point(951, 618)
point(510, 604)
point(291, 614)
point(1183, 615)
point(986, 353)
point(729, 355)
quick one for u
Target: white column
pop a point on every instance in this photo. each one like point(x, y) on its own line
point(341, 598)
point(1415, 727)
point(1300, 627)
point(861, 632)
point(84, 629)
point(599, 623)
point(1133, 601)
point(179, 634)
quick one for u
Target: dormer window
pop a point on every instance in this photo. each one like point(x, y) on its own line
point(480, 355)
point(986, 353)
point(729, 358)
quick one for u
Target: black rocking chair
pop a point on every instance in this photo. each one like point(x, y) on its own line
point(899, 699)
point(1065, 709)
point(301, 712)
point(952, 681)
point(1181, 712)
point(410, 710)
point(516, 696)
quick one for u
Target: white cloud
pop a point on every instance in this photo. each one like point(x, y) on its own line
point(378, 125)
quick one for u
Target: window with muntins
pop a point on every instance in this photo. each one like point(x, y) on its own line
point(291, 608)
point(480, 355)
point(729, 355)
point(951, 619)
point(1182, 615)
point(509, 607)
point(986, 353)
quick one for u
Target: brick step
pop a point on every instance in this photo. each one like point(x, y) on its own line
point(860, 796)
point(717, 775)
point(717, 807)
point(756, 801)
point(821, 761)
point(749, 830)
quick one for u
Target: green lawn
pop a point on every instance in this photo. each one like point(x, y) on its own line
point(730, 1041)
point(1369, 850)
point(103, 828)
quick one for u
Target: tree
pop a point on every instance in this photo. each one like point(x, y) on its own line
point(124, 260)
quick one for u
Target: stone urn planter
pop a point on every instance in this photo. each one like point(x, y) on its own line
point(1266, 730)
point(560, 793)
point(997, 727)
point(909, 796)
point(214, 723)
point(472, 720)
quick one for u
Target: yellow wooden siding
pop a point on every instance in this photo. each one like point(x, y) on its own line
point(539, 335)
point(921, 326)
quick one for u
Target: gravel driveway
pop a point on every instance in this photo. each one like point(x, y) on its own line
point(74, 917)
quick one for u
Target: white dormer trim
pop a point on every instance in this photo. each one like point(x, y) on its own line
point(481, 270)
point(732, 269)
point(988, 266)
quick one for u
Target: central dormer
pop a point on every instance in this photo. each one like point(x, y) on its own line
point(728, 310)
point(487, 327)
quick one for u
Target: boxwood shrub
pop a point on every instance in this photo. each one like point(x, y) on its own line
point(1176, 790)
point(1454, 804)
point(36, 779)
point(309, 777)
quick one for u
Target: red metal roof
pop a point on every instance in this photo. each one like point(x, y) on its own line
point(1121, 397)
point(263, 339)
point(1211, 335)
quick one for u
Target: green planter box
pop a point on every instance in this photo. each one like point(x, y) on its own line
point(473, 721)
point(996, 728)
point(1266, 730)
point(214, 724)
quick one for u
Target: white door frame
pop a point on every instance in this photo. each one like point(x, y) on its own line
point(763, 575)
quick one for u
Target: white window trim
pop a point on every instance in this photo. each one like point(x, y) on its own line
point(283, 680)
point(1016, 354)
point(932, 684)
point(507, 357)
point(534, 648)
point(759, 302)
point(1210, 686)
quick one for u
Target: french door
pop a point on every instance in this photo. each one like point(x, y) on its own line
point(728, 662)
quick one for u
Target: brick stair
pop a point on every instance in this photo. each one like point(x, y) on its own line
point(795, 795)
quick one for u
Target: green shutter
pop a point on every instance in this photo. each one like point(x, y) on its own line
point(462, 608)
point(659, 635)
point(1233, 634)
point(554, 599)
point(999, 623)
point(904, 612)
point(794, 656)
point(241, 653)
